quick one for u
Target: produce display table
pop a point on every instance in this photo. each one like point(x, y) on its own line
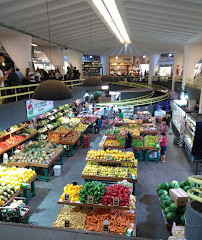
point(79, 204)
point(45, 167)
point(107, 179)
point(73, 146)
point(113, 147)
point(147, 158)
point(13, 146)
point(108, 161)
point(27, 193)
point(11, 132)
point(150, 132)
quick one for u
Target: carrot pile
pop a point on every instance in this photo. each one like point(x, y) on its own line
point(119, 220)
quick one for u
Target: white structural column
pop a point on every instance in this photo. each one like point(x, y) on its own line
point(55, 55)
point(153, 60)
point(105, 64)
point(75, 58)
point(18, 47)
point(178, 60)
point(192, 54)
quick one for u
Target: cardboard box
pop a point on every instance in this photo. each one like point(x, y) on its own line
point(179, 196)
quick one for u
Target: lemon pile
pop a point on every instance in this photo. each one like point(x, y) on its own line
point(116, 154)
point(96, 154)
point(15, 176)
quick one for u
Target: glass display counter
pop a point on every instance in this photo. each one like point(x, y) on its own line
point(178, 114)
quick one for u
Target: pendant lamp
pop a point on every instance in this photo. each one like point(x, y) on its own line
point(52, 90)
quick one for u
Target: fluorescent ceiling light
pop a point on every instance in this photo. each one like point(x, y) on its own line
point(91, 56)
point(34, 44)
point(144, 56)
point(114, 12)
point(109, 11)
point(105, 87)
point(117, 57)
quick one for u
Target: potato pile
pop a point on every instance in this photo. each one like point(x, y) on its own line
point(75, 215)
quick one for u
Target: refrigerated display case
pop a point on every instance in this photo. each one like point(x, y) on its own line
point(178, 114)
point(193, 135)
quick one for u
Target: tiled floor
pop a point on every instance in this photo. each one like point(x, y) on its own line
point(149, 219)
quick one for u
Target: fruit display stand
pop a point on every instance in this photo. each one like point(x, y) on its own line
point(73, 145)
point(18, 143)
point(46, 167)
point(34, 166)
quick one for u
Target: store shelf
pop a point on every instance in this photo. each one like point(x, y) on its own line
point(106, 178)
point(79, 204)
point(24, 140)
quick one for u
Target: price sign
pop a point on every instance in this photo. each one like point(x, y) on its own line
point(128, 175)
point(90, 199)
point(98, 173)
point(133, 177)
point(116, 202)
point(67, 197)
point(67, 223)
point(108, 157)
point(105, 226)
point(74, 183)
point(111, 143)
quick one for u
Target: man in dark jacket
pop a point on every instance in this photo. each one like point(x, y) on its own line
point(13, 79)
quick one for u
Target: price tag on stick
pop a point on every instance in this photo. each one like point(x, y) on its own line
point(90, 199)
point(128, 175)
point(98, 173)
point(74, 183)
point(67, 197)
point(67, 223)
point(116, 201)
point(105, 226)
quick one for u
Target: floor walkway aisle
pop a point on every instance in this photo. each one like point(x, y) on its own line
point(149, 219)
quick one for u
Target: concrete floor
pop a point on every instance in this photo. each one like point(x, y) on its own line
point(44, 207)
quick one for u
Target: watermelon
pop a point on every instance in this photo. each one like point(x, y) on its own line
point(181, 210)
point(165, 186)
point(166, 210)
point(186, 188)
point(182, 219)
point(182, 184)
point(158, 187)
point(173, 207)
point(174, 184)
point(172, 217)
point(164, 197)
point(169, 201)
point(163, 204)
point(161, 191)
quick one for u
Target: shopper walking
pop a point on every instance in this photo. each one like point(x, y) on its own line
point(167, 119)
point(111, 114)
point(163, 142)
point(128, 144)
point(163, 128)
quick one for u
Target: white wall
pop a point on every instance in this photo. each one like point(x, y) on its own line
point(55, 55)
point(18, 46)
point(75, 58)
point(192, 54)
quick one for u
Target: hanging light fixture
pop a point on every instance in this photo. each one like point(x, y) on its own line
point(51, 89)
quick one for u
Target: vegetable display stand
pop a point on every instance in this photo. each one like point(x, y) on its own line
point(74, 146)
point(17, 214)
point(156, 152)
point(79, 204)
point(46, 167)
point(12, 147)
point(109, 180)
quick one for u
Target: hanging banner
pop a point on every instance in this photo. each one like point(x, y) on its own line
point(37, 107)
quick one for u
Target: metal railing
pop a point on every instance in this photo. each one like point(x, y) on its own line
point(140, 101)
point(194, 83)
point(27, 90)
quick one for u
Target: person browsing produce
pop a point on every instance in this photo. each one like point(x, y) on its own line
point(163, 142)
point(128, 144)
point(163, 128)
